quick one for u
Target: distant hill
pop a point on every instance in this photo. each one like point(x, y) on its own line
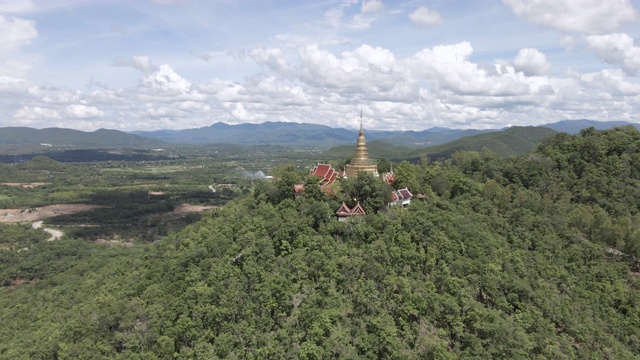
point(101, 138)
point(574, 126)
point(301, 134)
point(510, 142)
point(272, 133)
point(377, 150)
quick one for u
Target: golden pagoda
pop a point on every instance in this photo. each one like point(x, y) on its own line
point(360, 161)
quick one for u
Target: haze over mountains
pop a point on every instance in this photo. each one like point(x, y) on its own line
point(282, 133)
point(288, 133)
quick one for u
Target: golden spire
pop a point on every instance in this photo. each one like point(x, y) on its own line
point(361, 156)
point(360, 161)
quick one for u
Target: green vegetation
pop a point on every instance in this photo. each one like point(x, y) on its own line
point(510, 142)
point(534, 256)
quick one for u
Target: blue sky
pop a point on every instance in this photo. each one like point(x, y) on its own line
point(144, 65)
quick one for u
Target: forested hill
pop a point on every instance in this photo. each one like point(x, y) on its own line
point(101, 138)
point(302, 134)
point(510, 142)
point(532, 257)
point(513, 141)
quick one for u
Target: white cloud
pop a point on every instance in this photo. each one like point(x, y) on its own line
point(617, 49)
point(448, 66)
point(141, 63)
point(424, 16)
point(531, 62)
point(79, 111)
point(36, 113)
point(366, 73)
point(13, 85)
point(194, 106)
point(586, 16)
point(238, 111)
point(369, 12)
point(272, 57)
point(372, 6)
point(16, 32)
point(165, 79)
point(612, 82)
point(16, 6)
point(161, 111)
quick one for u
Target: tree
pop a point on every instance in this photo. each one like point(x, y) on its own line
point(384, 166)
point(370, 191)
point(406, 177)
point(286, 177)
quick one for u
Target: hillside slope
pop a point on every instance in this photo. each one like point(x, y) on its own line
point(101, 138)
point(510, 142)
point(533, 257)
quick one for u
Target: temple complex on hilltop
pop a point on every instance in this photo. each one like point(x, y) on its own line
point(360, 161)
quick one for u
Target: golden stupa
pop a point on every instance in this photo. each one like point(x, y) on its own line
point(360, 161)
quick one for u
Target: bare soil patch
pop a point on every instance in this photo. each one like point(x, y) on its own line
point(44, 212)
point(156, 193)
point(114, 242)
point(25, 185)
point(188, 208)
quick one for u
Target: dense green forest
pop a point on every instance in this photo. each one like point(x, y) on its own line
point(534, 256)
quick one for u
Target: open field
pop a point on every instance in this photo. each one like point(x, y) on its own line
point(92, 195)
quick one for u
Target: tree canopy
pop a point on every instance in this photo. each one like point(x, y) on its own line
point(531, 257)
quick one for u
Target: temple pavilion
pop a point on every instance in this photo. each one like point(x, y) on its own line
point(360, 161)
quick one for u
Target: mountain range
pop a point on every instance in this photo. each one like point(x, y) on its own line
point(282, 133)
point(301, 134)
point(58, 137)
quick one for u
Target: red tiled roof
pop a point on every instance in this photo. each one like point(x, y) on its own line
point(321, 170)
point(358, 209)
point(325, 173)
point(343, 210)
point(405, 193)
point(298, 188)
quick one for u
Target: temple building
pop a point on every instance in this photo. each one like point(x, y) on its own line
point(360, 161)
point(326, 174)
point(345, 213)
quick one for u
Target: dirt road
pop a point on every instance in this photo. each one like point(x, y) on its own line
point(55, 234)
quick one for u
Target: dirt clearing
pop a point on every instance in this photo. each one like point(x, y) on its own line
point(25, 185)
point(187, 208)
point(44, 212)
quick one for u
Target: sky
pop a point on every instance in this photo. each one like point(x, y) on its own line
point(406, 65)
